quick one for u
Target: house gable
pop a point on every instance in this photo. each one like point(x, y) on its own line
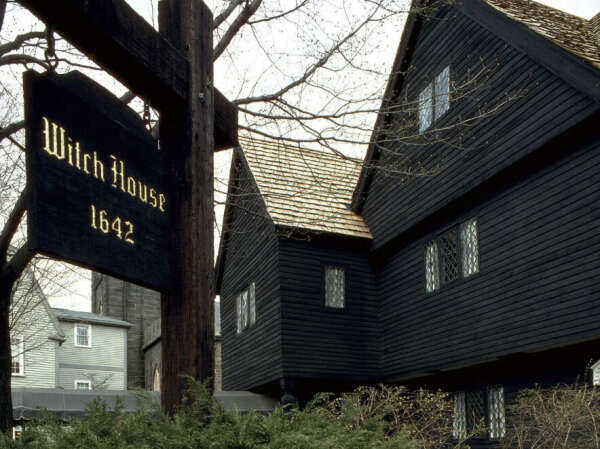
point(504, 105)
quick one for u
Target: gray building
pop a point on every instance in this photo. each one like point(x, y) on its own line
point(140, 306)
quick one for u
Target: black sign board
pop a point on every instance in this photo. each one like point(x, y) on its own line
point(99, 193)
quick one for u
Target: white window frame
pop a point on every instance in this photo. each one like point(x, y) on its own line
point(430, 100)
point(20, 356)
point(89, 327)
point(80, 381)
point(335, 270)
point(17, 432)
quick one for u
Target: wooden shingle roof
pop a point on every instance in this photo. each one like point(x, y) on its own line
point(304, 188)
point(574, 34)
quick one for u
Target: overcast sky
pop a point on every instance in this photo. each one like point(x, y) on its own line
point(81, 296)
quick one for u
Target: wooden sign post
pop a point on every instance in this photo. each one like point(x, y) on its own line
point(173, 70)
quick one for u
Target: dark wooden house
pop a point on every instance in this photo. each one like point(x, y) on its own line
point(469, 256)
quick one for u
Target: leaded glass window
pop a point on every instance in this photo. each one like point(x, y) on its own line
point(442, 93)
point(252, 303)
point(425, 108)
point(496, 418)
point(432, 275)
point(475, 403)
point(469, 247)
point(238, 312)
point(459, 422)
point(334, 287)
point(449, 253)
point(244, 299)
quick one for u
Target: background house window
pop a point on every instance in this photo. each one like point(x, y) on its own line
point(83, 335)
point(334, 287)
point(469, 247)
point(18, 357)
point(83, 385)
point(156, 379)
point(496, 418)
point(245, 306)
point(434, 99)
point(449, 250)
point(432, 275)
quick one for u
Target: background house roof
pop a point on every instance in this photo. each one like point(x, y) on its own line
point(87, 317)
point(574, 34)
point(304, 188)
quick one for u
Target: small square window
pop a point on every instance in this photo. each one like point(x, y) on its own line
point(18, 357)
point(434, 99)
point(83, 385)
point(335, 287)
point(469, 247)
point(83, 335)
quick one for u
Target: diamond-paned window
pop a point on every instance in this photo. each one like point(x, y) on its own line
point(469, 247)
point(475, 403)
point(244, 300)
point(252, 303)
point(426, 108)
point(496, 417)
point(432, 273)
point(449, 253)
point(459, 421)
point(442, 93)
point(335, 287)
point(238, 312)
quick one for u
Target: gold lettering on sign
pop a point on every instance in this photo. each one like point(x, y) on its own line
point(58, 144)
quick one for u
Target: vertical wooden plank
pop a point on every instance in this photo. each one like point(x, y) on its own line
point(187, 312)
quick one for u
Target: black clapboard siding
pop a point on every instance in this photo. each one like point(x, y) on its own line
point(253, 357)
point(538, 284)
point(321, 342)
point(546, 107)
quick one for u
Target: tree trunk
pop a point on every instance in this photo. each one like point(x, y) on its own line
point(5, 358)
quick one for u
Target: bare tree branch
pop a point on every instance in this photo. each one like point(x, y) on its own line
point(11, 129)
point(18, 41)
point(226, 13)
point(12, 223)
point(237, 24)
point(279, 16)
point(13, 269)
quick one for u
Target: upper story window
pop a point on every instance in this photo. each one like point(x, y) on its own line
point(17, 362)
point(245, 306)
point(452, 255)
point(434, 99)
point(83, 385)
point(83, 335)
point(335, 287)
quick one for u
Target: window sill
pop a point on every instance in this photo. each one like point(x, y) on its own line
point(17, 375)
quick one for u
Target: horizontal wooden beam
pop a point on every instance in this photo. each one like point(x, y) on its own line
point(118, 39)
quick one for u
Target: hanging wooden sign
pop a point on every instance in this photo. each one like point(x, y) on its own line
point(99, 186)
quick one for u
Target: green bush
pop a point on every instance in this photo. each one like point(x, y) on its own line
point(369, 418)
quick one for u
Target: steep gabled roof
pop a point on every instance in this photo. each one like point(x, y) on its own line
point(304, 188)
point(572, 33)
point(567, 45)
